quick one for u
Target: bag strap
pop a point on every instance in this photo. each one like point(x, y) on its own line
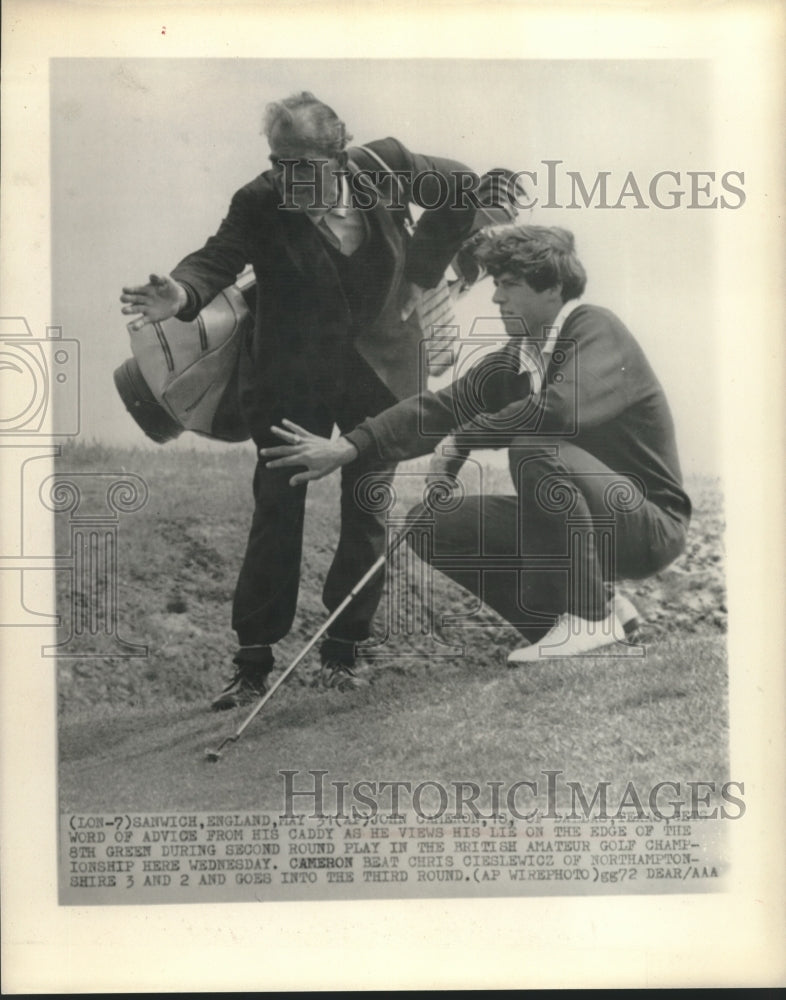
point(410, 224)
point(375, 156)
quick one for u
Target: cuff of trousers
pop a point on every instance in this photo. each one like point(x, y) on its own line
point(259, 657)
point(338, 650)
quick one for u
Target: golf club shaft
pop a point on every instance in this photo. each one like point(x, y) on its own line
point(323, 628)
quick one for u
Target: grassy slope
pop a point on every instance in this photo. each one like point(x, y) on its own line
point(133, 729)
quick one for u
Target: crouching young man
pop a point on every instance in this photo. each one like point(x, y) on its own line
point(591, 447)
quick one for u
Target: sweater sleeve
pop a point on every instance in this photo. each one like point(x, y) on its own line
point(415, 426)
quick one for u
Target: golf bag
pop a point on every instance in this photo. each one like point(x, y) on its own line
point(183, 376)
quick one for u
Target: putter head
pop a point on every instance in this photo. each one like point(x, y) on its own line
point(214, 755)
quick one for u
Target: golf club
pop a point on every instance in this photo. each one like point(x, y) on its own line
point(214, 755)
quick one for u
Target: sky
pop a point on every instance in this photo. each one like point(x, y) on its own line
point(146, 154)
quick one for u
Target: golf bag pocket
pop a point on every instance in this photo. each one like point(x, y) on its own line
point(183, 376)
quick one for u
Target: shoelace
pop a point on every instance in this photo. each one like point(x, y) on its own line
point(240, 678)
point(333, 672)
point(235, 680)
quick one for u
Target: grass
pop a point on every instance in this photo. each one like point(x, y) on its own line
point(133, 730)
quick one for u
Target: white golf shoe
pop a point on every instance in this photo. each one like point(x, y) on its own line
point(626, 613)
point(573, 636)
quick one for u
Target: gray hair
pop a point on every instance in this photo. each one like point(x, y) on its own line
point(301, 123)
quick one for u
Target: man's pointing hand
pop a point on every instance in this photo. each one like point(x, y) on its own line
point(161, 298)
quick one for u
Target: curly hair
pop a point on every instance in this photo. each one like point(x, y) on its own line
point(302, 123)
point(542, 256)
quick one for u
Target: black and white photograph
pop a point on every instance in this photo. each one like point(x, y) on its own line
point(392, 453)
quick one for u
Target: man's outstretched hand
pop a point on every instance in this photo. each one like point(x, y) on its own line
point(319, 455)
point(161, 298)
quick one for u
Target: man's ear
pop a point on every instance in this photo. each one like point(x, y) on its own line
point(343, 158)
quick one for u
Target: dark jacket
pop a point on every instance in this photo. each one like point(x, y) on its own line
point(303, 322)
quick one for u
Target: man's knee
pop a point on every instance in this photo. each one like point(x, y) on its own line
point(274, 499)
point(452, 526)
point(419, 518)
point(530, 458)
point(367, 496)
point(533, 465)
point(653, 548)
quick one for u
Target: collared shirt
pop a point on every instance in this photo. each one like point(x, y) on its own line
point(534, 356)
point(343, 226)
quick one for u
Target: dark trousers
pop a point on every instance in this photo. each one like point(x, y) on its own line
point(573, 529)
point(266, 594)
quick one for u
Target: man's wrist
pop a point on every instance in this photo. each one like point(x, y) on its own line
point(347, 452)
point(182, 296)
point(360, 437)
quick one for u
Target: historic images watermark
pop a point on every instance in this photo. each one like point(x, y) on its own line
point(40, 391)
point(551, 186)
point(546, 796)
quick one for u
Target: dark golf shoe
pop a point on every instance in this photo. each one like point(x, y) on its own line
point(249, 682)
point(338, 666)
point(241, 690)
point(339, 676)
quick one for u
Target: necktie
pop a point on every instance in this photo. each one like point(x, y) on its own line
point(344, 231)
